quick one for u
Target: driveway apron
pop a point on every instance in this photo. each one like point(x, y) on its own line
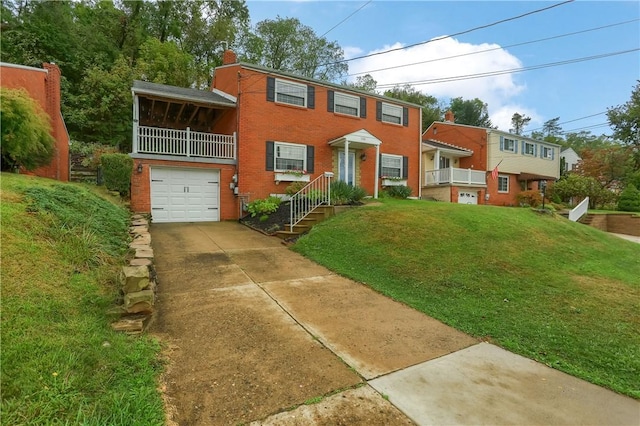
point(254, 330)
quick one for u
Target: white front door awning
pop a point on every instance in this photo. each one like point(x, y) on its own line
point(360, 139)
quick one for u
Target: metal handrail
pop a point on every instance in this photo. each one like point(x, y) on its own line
point(314, 194)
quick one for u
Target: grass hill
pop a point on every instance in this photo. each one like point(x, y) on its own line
point(559, 292)
point(60, 361)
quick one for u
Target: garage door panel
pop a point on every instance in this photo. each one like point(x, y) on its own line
point(184, 195)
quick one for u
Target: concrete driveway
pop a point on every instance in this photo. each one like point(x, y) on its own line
point(257, 333)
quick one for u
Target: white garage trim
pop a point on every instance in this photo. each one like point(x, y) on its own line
point(185, 194)
point(467, 197)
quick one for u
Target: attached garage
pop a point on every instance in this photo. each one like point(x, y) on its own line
point(185, 195)
point(467, 197)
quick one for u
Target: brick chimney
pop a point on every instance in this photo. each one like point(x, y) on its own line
point(229, 57)
point(449, 117)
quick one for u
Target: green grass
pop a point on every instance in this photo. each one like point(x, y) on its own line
point(61, 363)
point(562, 293)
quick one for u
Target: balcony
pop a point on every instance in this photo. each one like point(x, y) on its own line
point(454, 176)
point(184, 143)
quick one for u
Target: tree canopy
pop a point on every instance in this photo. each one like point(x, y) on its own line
point(431, 110)
point(473, 112)
point(286, 44)
point(625, 121)
point(26, 131)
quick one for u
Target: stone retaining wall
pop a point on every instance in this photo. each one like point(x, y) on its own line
point(624, 224)
point(137, 281)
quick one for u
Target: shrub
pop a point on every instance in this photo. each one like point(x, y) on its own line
point(263, 207)
point(629, 200)
point(531, 198)
point(26, 132)
point(116, 169)
point(342, 193)
point(294, 187)
point(399, 191)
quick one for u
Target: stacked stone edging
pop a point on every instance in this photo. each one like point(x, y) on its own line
point(137, 281)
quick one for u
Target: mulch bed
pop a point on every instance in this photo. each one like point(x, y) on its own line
point(271, 224)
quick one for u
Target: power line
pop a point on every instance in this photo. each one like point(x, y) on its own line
point(450, 35)
point(571, 121)
point(339, 23)
point(595, 126)
point(493, 49)
point(509, 71)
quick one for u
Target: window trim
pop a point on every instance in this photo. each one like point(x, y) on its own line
point(277, 144)
point(393, 106)
point(533, 148)
point(303, 87)
point(549, 150)
point(394, 156)
point(356, 99)
point(503, 177)
point(504, 145)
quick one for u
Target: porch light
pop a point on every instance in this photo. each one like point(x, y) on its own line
point(363, 156)
point(140, 167)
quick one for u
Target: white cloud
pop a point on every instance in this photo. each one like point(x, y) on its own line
point(501, 117)
point(352, 51)
point(497, 91)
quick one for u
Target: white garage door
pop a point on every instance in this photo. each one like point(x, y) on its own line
point(184, 195)
point(467, 198)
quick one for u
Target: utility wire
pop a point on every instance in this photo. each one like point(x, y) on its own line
point(493, 49)
point(339, 23)
point(450, 35)
point(571, 121)
point(509, 71)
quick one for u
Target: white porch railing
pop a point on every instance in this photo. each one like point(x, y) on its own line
point(579, 210)
point(454, 175)
point(157, 140)
point(316, 193)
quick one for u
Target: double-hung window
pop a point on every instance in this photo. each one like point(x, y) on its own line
point(529, 149)
point(503, 183)
point(288, 92)
point(391, 113)
point(547, 152)
point(391, 166)
point(289, 156)
point(509, 145)
point(346, 104)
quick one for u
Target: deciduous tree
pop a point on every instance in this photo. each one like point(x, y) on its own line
point(25, 130)
point(431, 110)
point(625, 121)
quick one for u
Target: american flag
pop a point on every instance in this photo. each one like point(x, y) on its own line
point(494, 172)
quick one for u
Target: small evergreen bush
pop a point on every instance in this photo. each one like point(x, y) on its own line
point(629, 200)
point(116, 169)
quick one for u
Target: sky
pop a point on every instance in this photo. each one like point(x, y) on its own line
point(578, 92)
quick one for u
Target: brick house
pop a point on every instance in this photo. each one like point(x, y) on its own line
point(43, 85)
point(458, 161)
point(256, 132)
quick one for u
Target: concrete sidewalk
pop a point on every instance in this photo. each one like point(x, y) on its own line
point(255, 330)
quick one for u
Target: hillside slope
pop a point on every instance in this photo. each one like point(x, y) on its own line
point(552, 290)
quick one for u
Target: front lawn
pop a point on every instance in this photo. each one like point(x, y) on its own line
point(60, 361)
point(562, 293)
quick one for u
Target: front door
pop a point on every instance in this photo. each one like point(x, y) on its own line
point(352, 161)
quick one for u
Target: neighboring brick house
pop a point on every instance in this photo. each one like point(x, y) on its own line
point(458, 161)
point(263, 130)
point(43, 85)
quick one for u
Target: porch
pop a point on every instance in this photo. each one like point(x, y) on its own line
point(453, 175)
point(184, 143)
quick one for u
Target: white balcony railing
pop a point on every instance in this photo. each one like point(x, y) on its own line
point(454, 175)
point(187, 143)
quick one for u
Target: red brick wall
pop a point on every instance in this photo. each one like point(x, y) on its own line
point(44, 88)
point(260, 121)
point(141, 185)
